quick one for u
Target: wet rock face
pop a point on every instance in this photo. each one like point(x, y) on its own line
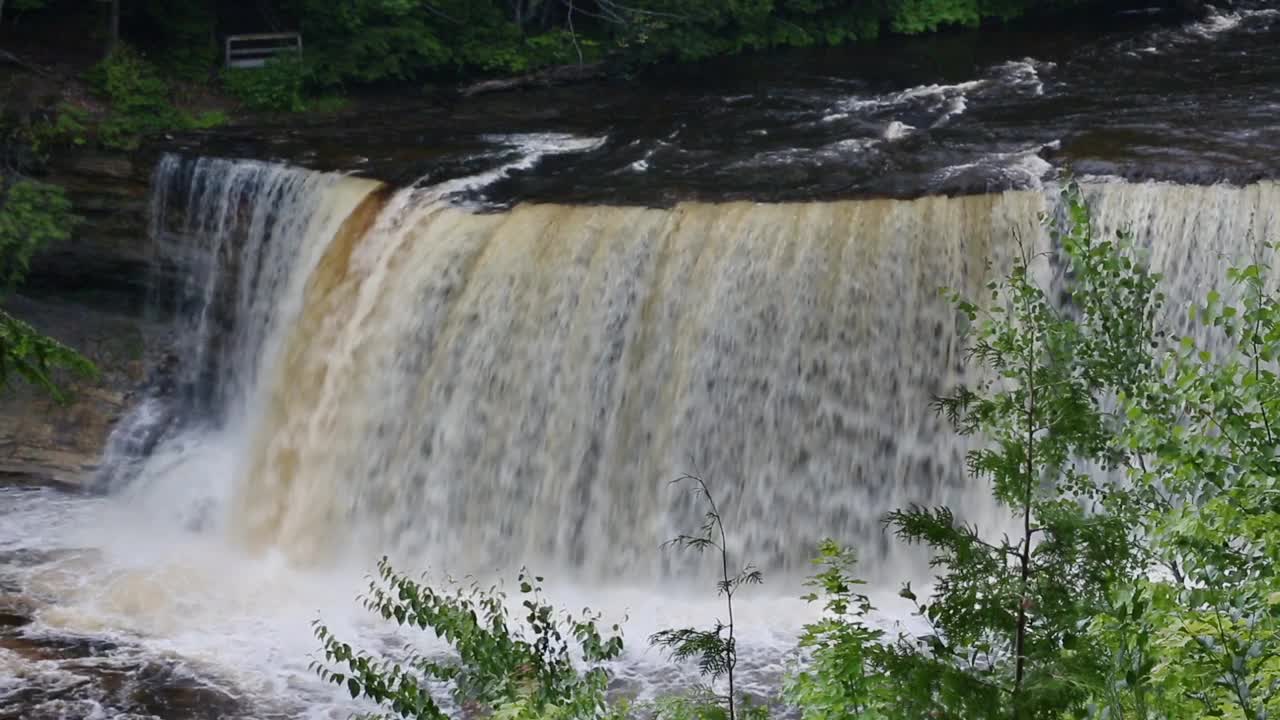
point(90, 292)
point(110, 252)
point(62, 443)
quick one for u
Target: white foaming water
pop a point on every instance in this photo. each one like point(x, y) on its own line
point(1218, 22)
point(530, 148)
point(897, 130)
point(932, 92)
point(948, 101)
point(833, 151)
point(1020, 169)
point(470, 392)
point(938, 104)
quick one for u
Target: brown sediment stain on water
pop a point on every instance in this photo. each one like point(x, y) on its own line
point(504, 386)
point(327, 296)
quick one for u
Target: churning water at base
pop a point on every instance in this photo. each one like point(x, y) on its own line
point(361, 371)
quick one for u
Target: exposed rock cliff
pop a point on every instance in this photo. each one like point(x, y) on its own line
point(90, 293)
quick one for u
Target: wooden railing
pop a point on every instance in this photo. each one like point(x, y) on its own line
point(250, 51)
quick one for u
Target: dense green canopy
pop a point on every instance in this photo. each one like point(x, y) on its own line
point(361, 41)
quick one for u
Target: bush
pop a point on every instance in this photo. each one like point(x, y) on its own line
point(141, 102)
point(840, 675)
point(1198, 634)
point(68, 128)
point(32, 215)
point(500, 667)
point(140, 99)
point(274, 87)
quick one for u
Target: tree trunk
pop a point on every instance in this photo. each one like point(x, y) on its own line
point(1020, 639)
point(113, 29)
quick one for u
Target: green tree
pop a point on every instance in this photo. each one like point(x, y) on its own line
point(716, 649)
point(1203, 433)
point(841, 674)
point(32, 214)
point(1006, 611)
point(1143, 581)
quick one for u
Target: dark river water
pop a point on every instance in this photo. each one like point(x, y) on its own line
point(1148, 98)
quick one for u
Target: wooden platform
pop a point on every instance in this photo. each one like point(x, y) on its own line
point(251, 51)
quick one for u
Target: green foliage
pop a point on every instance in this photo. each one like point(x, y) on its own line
point(206, 120)
point(689, 30)
point(841, 675)
point(141, 102)
point(377, 41)
point(32, 214)
point(917, 16)
point(509, 671)
point(1203, 435)
point(187, 49)
point(140, 99)
point(31, 356)
point(715, 650)
point(1006, 612)
point(1152, 597)
point(69, 127)
point(274, 87)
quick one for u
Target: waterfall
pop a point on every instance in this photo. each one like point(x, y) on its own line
point(233, 241)
point(392, 373)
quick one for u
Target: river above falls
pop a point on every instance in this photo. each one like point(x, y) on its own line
point(1189, 102)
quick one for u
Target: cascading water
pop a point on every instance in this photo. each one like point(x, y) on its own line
point(518, 387)
point(238, 237)
point(482, 390)
point(359, 371)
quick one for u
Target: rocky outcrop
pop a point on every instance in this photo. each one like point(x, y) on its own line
point(45, 440)
point(110, 252)
point(89, 292)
